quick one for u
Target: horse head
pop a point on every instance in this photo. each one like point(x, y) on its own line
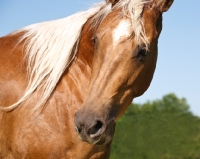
point(125, 55)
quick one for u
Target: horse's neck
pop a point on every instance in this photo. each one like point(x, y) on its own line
point(76, 78)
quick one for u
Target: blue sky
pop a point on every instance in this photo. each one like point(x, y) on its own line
point(178, 66)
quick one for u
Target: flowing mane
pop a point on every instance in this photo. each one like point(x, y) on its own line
point(49, 46)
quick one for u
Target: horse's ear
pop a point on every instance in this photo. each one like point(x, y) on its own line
point(163, 5)
point(113, 2)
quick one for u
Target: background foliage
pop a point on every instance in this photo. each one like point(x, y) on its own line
point(161, 129)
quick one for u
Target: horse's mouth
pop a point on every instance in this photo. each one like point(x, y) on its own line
point(102, 139)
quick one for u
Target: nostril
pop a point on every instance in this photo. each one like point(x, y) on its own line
point(94, 131)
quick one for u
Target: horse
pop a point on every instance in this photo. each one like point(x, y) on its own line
point(64, 83)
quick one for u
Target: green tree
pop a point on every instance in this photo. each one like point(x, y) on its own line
point(161, 129)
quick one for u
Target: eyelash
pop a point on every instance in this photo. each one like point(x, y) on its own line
point(142, 54)
point(94, 39)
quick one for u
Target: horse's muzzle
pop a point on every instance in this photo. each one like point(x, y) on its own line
point(94, 130)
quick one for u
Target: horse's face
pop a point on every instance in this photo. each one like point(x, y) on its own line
point(122, 69)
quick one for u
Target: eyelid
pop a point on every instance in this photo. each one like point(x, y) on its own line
point(142, 53)
point(94, 39)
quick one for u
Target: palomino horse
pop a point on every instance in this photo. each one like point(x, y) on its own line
point(64, 83)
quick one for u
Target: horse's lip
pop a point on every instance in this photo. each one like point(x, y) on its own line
point(98, 140)
point(92, 141)
point(101, 139)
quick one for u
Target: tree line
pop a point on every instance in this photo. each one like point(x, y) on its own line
point(160, 129)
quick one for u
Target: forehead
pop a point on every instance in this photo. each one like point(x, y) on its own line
point(117, 27)
point(121, 31)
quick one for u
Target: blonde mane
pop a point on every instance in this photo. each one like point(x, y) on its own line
point(49, 45)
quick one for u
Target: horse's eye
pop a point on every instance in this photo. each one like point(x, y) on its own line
point(142, 54)
point(95, 39)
